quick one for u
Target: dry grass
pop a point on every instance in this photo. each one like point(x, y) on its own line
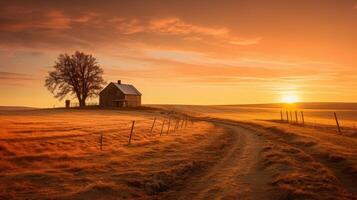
point(55, 154)
point(309, 164)
point(305, 162)
point(315, 114)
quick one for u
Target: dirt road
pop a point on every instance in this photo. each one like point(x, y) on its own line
point(237, 175)
point(263, 163)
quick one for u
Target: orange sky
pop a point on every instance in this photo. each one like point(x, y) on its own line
point(186, 52)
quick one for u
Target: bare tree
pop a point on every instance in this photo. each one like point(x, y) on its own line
point(78, 74)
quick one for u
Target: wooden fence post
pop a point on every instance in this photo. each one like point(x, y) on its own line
point(281, 116)
point(101, 142)
point(302, 117)
point(168, 127)
point(153, 124)
point(131, 132)
point(291, 117)
point(296, 117)
point(338, 124)
point(162, 127)
point(287, 116)
point(177, 124)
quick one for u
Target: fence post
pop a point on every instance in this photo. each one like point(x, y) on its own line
point(296, 117)
point(287, 116)
point(177, 124)
point(302, 117)
point(153, 124)
point(168, 127)
point(101, 142)
point(162, 127)
point(338, 124)
point(291, 117)
point(281, 116)
point(131, 132)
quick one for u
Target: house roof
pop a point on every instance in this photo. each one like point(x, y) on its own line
point(127, 89)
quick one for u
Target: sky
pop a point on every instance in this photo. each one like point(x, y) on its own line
point(186, 52)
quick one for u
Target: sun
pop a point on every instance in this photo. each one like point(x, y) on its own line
point(289, 99)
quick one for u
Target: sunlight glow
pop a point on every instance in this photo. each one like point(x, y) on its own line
point(289, 98)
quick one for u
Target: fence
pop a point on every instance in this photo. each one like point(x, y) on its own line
point(76, 104)
point(297, 117)
point(105, 135)
point(164, 125)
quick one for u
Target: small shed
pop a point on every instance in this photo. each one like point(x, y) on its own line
point(119, 95)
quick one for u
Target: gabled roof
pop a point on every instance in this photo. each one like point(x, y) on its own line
point(127, 89)
point(124, 88)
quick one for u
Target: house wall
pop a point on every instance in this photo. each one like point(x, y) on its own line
point(133, 100)
point(109, 94)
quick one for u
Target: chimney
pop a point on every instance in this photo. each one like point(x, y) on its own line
point(119, 82)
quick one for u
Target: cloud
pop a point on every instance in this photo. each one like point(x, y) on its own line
point(15, 79)
point(125, 25)
point(14, 76)
point(245, 42)
point(166, 26)
point(17, 19)
point(55, 28)
point(198, 58)
point(23, 27)
point(186, 67)
point(177, 26)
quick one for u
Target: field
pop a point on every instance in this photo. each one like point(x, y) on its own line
point(221, 152)
point(56, 154)
point(314, 113)
point(307, 160)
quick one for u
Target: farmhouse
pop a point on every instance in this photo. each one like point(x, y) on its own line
point(119, 95)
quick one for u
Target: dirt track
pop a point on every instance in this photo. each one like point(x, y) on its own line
point(266, 164)
point(236, 176)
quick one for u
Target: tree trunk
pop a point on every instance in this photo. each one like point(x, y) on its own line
point(82, 102)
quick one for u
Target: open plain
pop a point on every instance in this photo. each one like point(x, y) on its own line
point(208, 152)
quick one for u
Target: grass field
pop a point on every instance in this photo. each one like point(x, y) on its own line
point(225, 152)
point(314, 113)
point(304, 161)
point(56, 153)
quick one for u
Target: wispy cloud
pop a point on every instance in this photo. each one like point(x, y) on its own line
point(198, 58)
point(14, 76)
point(16, 19)
point(244, 42)
point(177, 27)
point(15, 79)
point(189, 67)
point(169, 26)
point(55, 28)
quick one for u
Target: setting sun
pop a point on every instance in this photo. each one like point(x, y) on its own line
point(289, 99)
